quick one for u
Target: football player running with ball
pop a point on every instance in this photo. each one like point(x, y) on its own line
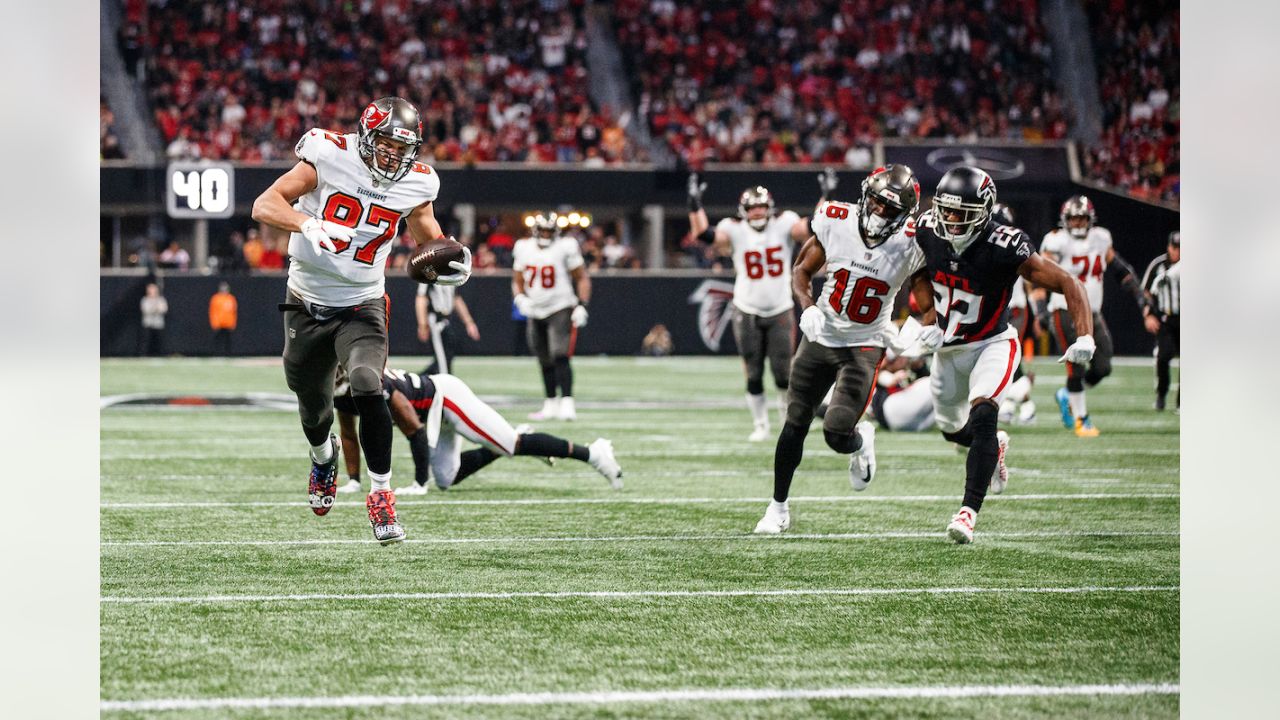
point(551, 287)
point(761, 244)
point(868, 250)
point(342, 203)
point(971, 265)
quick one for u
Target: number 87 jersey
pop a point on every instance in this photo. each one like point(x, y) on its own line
point(862, 280)
point(347, 193)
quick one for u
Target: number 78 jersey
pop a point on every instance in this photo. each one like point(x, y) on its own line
point(857, 297)
point(346, 194)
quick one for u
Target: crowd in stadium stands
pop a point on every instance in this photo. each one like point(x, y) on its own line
point(819, 80)
point(108, 142)
point(1136, 48)
point(494, 81)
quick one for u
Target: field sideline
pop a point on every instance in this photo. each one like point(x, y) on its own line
point(531, 591)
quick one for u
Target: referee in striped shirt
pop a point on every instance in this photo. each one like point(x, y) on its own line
point(1162, 283)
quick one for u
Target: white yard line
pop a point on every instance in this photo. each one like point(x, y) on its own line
point(660, 450)
point(627, 594)
point(651, 500)
point(645, 538)
point(892, 692)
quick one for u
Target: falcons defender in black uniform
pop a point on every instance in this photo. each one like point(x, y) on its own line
point(971, 264)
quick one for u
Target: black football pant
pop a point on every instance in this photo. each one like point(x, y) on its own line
point(1168, 347)
point(759, 337)
point(1081, 376)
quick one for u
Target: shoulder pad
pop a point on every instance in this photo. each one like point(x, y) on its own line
point(317, 143)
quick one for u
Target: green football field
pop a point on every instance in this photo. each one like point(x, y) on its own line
point(535, 592)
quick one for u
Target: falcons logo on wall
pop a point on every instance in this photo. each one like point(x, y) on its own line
point(713, 300)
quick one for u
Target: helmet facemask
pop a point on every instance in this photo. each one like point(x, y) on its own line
point(1078, 226)
point(752, 198)
point(959, 220)
point(546, 229)
point(879, 219)
point(389, 137)
point(1077, 217)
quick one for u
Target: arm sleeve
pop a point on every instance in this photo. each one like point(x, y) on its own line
point(1153, 269)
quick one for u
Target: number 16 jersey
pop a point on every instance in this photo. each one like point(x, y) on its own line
point(857, 296)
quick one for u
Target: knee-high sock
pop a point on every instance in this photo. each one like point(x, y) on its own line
point(564, 376)
point(544, 445)
point(472, 461)
point(549, 380)
point(375, 432)
point(983, 455)
point(786, 458)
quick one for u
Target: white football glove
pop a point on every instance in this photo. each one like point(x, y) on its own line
point(812, 322)
point(319, 233)
point(463, 268)
point(579, 316)
point(523, 304)
point(1081, 351)
point(906, 336)
point(930, 338)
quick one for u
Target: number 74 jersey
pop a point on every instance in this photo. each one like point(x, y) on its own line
point(857, 297)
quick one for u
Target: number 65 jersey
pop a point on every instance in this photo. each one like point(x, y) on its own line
point(857, 296)
point(761, 264)
point(347, 194)
point(971, 289)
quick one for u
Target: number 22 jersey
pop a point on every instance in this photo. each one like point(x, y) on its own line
point(347, 194)
point(971, 289)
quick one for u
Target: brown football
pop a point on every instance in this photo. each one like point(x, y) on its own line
point(432, 260)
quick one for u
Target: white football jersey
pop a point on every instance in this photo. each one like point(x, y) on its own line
point(1018, 298)
point(546, 274)
point(347, 194)
point(1085, 259)
point(857, 296)
point(762, 264)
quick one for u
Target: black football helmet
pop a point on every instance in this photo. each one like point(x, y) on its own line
point(546, 228)
point(1002, 214)
point(752, 197)
point(1077, 206)
point(395, 119)
point(890, 195)
point(968, 194)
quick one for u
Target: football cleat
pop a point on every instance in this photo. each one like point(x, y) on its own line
point(1000, 477)
point(550, 410)
point(1027, 413)
point(961, 528)
point(760, 434)
point(601, 458)
point(1159, 406)
point(323, 482)
point(382, 516)
point(862, 463)
point(1084, 427)
point(1064, 407)
point(776, 519)
point(567, 410)
point(1008, 411)
point(414, 489)
point(351, 486)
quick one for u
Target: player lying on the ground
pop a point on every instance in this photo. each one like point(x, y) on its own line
point(868, 250)
point(341, 204)
point(419, 403)
point(1084, 249)
point(761, 245)
point(971, 263)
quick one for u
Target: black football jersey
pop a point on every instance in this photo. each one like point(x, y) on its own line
point(971, 290)
point(419, 390)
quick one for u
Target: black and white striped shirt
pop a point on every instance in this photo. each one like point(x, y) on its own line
point(1162, 281)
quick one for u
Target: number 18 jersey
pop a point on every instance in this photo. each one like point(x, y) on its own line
point(761, 264)
point(857, 296)
point(347, 195)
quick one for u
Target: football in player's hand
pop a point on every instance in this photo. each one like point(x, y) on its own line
point(432, 259)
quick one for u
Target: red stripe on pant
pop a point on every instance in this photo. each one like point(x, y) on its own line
point(875, 377)
point(449, 404)
point(1013, 360)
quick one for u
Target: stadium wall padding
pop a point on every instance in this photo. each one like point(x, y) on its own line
point(623, 309)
